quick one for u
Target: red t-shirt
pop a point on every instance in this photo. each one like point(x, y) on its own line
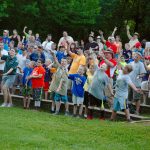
point(112, 46)
point(110, 71)
point(38, 82)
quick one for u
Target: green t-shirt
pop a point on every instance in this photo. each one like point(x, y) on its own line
point(60, 75)
point(10, 63)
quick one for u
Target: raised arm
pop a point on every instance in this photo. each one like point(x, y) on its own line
point(102, 36)
point(55, 58)
point(24, 30)
point(113, 33)
point(128, 32)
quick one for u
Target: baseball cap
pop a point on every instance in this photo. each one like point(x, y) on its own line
point(138, 44)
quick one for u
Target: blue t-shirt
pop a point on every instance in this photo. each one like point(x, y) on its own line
point(141, 51)
point(60, 55)
point(78, 84)
point(27, 71)
point(6, 41)
point(35, 57)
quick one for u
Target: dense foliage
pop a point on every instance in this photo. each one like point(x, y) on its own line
point(78, 17)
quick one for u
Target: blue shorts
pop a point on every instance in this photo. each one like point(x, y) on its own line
point(59, 98)
point(120, 104)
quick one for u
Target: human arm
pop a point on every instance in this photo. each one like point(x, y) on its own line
point(113, 33)
point(24, 30)
point(134, 87)
point(110, 89)
point(128, 32)
point(102, 36)
point(8, 72)
point(55, 58)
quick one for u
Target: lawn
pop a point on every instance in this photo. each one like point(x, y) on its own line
point(28, 130)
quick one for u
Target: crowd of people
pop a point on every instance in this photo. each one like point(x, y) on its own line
point(94, 73)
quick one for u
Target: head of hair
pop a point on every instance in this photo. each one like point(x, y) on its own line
point(129, 67)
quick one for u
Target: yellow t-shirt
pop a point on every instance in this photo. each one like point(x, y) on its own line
point(88, 81)
point(77, 61)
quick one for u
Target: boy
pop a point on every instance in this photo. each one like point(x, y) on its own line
point(96, 91)
point(59, 84)
point(61, 53)
point(48, 76)
point(120, 98)
point(37, 80)
point(26, 91)
point(77, 90)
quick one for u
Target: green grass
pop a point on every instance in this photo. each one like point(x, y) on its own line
point(28, 130)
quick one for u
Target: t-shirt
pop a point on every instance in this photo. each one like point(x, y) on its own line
point(21, 62)
point(132, 42)
point(6, 41)
point(47, 45)
point(138, 68)
point(26, 72)
point(99, 82)
point(141, 51)
point(48, 74)
point(10, 63)
point(112, 46)
point(60, 55)
point(3, 52)
point(78, 84)
point(121, 87)
point(60, 75)
point(77, 61)
point(35, 56)
point(110, 70)
point(92, 45)
point(38, 82)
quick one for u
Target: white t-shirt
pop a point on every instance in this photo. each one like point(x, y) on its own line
point(47, 45)
point(21, 62)
point(3, 52)
point(63, 41)
point(132, 43)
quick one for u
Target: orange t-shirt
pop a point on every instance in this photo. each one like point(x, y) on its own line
point(77, 61)
point(38, 82)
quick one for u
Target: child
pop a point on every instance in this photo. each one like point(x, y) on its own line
point(77, 90)
point(37, 79)
point(120, 98)
point(26, 91)
point(48, 76)
point(90, 74)
point(96, 91)
point(59, 85)
point(61, 53)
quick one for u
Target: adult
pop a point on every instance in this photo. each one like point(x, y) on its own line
point(100, 44)
point(27, 35)
point(108, 59)
point(65, 40)
point(38, 55)
point(78, 59)
point(2, 62)
point(6, 39)
point(110, 43)
point(15, 38)
point(138, 48)
point(133, 39)
point(136, 75)
point(91, 45)
point(47, 44)
point(117, 42)
point(8, 76)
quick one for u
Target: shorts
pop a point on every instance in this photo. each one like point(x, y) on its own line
point(26, 91)
point(145, 86)
point(8, 81)
point(52, 95)
point(93, 101)
point(1, 72)
point(133, 95)
point(37, 94)
point(58, 98)
point(77, 100)
point(120, 104)
point(86, 99)
point(46, 86)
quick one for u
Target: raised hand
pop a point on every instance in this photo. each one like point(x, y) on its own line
point(128, 28)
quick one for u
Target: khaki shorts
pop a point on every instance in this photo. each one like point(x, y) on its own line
point(107, 92)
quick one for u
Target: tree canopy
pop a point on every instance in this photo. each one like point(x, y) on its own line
point(78, 17)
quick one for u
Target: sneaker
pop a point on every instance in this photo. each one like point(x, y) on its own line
point(52, 111)
point(74, 115)
point(85, 116)
point(67, 113)
point(10, 105)
point(4, 105)
point(56, 113)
